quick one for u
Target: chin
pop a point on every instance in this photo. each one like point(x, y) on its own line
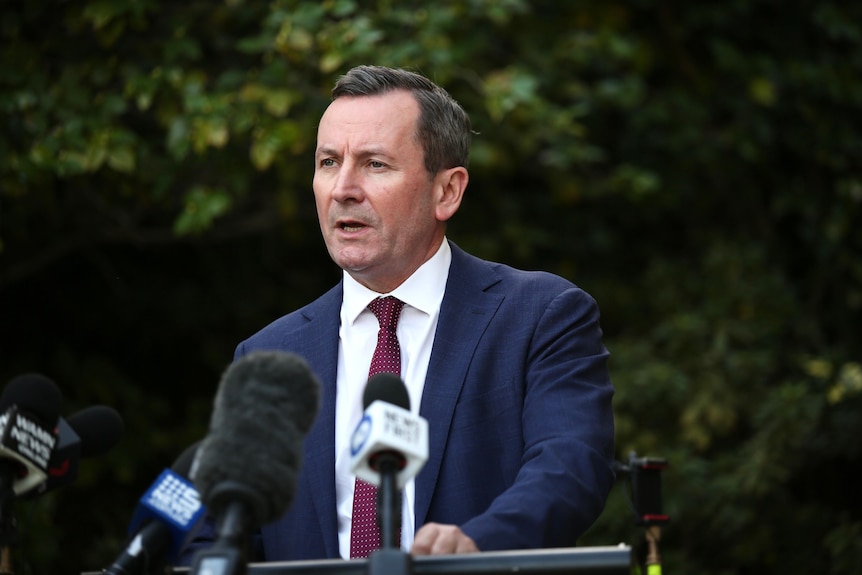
point(351, 263)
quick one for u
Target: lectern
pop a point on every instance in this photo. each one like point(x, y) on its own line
point(602, 560)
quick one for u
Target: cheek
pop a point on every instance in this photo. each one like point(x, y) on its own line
point(405, 205)
point(392, 203)
point(410, 214)
point(319, 196)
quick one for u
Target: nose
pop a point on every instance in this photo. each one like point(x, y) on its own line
point(346, 185)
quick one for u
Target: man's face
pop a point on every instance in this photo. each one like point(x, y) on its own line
point(376, 203)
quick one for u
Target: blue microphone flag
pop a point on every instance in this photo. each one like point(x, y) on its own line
point(173, 501)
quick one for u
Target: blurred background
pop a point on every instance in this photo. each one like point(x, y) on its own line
point(695, 166)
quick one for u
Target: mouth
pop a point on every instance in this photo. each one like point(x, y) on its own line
point(350, 226)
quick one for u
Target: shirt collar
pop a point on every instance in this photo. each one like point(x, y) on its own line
point(423, 290)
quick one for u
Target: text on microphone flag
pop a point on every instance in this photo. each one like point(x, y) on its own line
point(174, 499)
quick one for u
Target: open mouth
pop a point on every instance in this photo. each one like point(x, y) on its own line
point(351, 226)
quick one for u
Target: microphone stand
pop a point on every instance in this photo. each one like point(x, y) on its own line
point(8, 531)
point(7, 538)
point(389, 559)
point(227, 555)
point(234, 520)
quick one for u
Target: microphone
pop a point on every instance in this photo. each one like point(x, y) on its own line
point(247, 466)
point(167, 516)
point(387, 449)
point(29, 411)
point(388, 430)
point(99, 428)
point(87, 433)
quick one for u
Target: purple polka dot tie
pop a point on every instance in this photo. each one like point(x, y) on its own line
point(364, 530)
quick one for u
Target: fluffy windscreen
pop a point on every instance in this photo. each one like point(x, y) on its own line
point(265, 404)
point(386, 387)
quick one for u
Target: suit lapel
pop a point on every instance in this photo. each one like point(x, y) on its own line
point(465, 313)
point(317, 342)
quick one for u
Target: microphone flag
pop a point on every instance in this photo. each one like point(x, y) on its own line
point(386, 427)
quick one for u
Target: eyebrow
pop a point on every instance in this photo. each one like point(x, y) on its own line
point(362, 153)
point(325, 151)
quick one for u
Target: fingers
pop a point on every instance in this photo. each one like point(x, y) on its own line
point(438, 539)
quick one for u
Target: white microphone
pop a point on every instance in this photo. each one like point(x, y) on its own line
point(388, 429)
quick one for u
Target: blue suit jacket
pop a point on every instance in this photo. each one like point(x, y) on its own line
point(518, 401)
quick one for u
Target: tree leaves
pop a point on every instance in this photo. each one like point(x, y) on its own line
point(696, 167)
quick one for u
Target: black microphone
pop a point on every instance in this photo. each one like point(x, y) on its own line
point(29, 411)
point(99, 427)
point(388, 448)
point(89, 432)
point(248, 463)
point(166, 518)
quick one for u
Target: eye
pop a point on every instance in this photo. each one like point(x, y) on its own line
point(377, 165)
point(327, 162)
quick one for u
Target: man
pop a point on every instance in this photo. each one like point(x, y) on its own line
point(507, 366)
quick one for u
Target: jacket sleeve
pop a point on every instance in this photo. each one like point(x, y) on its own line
point(566, 467)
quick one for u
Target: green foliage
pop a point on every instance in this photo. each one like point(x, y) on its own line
point(696, 167)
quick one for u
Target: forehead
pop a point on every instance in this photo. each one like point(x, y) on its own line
point(369, 120)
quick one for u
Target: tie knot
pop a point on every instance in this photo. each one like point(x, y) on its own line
point(387, 310)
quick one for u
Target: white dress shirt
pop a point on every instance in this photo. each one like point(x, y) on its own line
point(422, 294)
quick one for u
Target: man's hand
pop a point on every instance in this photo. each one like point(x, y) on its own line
point(437, 539)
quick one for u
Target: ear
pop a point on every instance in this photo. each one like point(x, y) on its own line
point(449, 186)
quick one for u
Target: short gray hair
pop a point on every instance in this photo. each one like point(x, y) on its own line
point(443, 128)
